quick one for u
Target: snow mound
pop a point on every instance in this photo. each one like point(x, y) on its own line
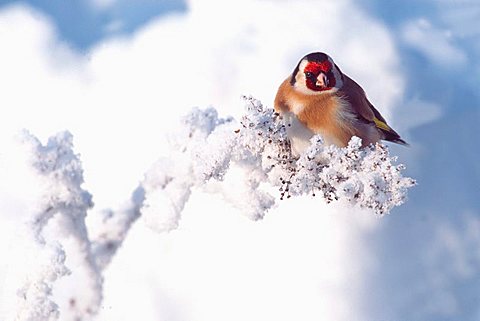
point(208, 147)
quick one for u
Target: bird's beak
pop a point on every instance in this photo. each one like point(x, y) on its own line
point(322, 80)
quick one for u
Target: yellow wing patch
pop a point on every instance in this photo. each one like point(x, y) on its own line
point(382, 125)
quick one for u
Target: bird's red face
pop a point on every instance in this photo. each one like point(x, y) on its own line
point(319, 76)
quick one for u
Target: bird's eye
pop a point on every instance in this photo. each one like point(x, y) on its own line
point(309, 74)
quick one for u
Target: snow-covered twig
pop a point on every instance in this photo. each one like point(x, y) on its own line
point(111, 228)
point(200, 151)
point(60, 174)
point(208, 147)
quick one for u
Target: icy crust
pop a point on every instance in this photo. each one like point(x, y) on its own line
point(208, 147)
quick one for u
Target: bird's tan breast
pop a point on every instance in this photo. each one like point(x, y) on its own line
point(329, 116)
point(325, 114)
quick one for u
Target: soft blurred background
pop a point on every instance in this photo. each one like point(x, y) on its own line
point(119, 73)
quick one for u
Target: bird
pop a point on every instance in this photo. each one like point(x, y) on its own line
point(317, 98)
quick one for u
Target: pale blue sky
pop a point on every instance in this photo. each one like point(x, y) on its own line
point(81, 23)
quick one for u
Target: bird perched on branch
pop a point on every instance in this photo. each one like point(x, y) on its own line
point(317, 98)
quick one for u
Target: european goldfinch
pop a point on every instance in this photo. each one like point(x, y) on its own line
point(317, 98)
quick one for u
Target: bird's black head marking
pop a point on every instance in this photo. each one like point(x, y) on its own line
point(316, 56)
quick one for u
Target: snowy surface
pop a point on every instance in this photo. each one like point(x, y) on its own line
point(74, 241)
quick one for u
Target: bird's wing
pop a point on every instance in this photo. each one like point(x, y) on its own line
point(354, 94)
point(360, 104)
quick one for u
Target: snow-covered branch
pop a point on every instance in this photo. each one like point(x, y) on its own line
point(111, 227)
point(209, 147)
point(60, 176)
point(250, 162)
point(57, 242)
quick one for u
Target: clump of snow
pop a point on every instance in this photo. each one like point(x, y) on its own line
point(35, 296)
point(209, 147)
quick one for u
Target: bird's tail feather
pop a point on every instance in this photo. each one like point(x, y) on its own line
point(393, 137)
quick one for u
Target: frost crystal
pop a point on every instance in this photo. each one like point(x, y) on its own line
point(210, 147)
